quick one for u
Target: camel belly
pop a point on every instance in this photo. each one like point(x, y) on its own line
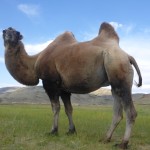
point(84, 84)
point(82, 89)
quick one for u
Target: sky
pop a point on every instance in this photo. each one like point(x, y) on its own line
point(40, 22)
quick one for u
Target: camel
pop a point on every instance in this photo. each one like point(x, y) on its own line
point(67, 66)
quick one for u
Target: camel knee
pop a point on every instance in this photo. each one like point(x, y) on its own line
point(55, 108)
point(69, 110)
point(133, 116)
point(117, 119)
point(120, 117)
point(67, 103)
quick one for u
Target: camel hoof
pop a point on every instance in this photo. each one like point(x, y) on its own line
point(54, 132)
point(122, 145)
point(106, 141)
point(71, 131)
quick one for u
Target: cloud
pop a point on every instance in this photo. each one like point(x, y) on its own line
point(16, 84)
point(1, 33)
point(88, 36)
point(1, 59)
point(29, 10)
point(137, 45)
point(147, 30)
point(139, 48)
point(36, 48)
point(125, 28)
point(116, 25)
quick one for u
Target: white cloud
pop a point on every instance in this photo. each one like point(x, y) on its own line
point(29, 10)
point(36, 48)
point(1, 59)
point(116, 25)
point(1, 33)
point(139, 48)
point(126, 29)
point(147, 30)
point(16, 84)
point(123, 28)
point(88, 36)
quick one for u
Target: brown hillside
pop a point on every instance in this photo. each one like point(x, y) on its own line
point(37, 95)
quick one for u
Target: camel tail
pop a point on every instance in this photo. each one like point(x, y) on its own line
point(134, 63)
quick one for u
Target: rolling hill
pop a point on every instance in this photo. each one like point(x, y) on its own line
point(37, 95)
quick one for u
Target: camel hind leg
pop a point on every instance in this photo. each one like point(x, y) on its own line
point(117, 115)
point(127, 103)
point(131, 115)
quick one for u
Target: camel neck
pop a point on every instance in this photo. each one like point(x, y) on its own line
point(20, 65)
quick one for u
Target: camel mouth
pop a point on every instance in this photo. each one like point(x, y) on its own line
point(11, 36)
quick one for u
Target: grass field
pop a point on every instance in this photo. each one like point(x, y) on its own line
point(26, 127)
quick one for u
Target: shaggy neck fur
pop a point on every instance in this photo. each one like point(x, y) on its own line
point(20, 65)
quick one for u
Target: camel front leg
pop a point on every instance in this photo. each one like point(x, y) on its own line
point(68, 109)
point(53, 93)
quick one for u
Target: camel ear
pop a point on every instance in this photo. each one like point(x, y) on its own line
point(20, 37)
point(4, 31)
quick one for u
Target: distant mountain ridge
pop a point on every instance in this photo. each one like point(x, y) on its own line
point(37, 95)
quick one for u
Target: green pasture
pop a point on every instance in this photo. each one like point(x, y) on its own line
point(26, 127)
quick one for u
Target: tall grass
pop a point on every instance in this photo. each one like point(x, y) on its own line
point(26, 127)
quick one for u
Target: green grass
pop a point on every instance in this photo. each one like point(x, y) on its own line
point(26, 127)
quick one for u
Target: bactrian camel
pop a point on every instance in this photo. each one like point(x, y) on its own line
point(67, 66)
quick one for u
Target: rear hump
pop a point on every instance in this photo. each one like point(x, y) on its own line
point(107, 31)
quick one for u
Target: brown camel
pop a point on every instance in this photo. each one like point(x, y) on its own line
point(67, 66)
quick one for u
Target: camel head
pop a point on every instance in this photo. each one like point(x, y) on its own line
point(11, 36)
